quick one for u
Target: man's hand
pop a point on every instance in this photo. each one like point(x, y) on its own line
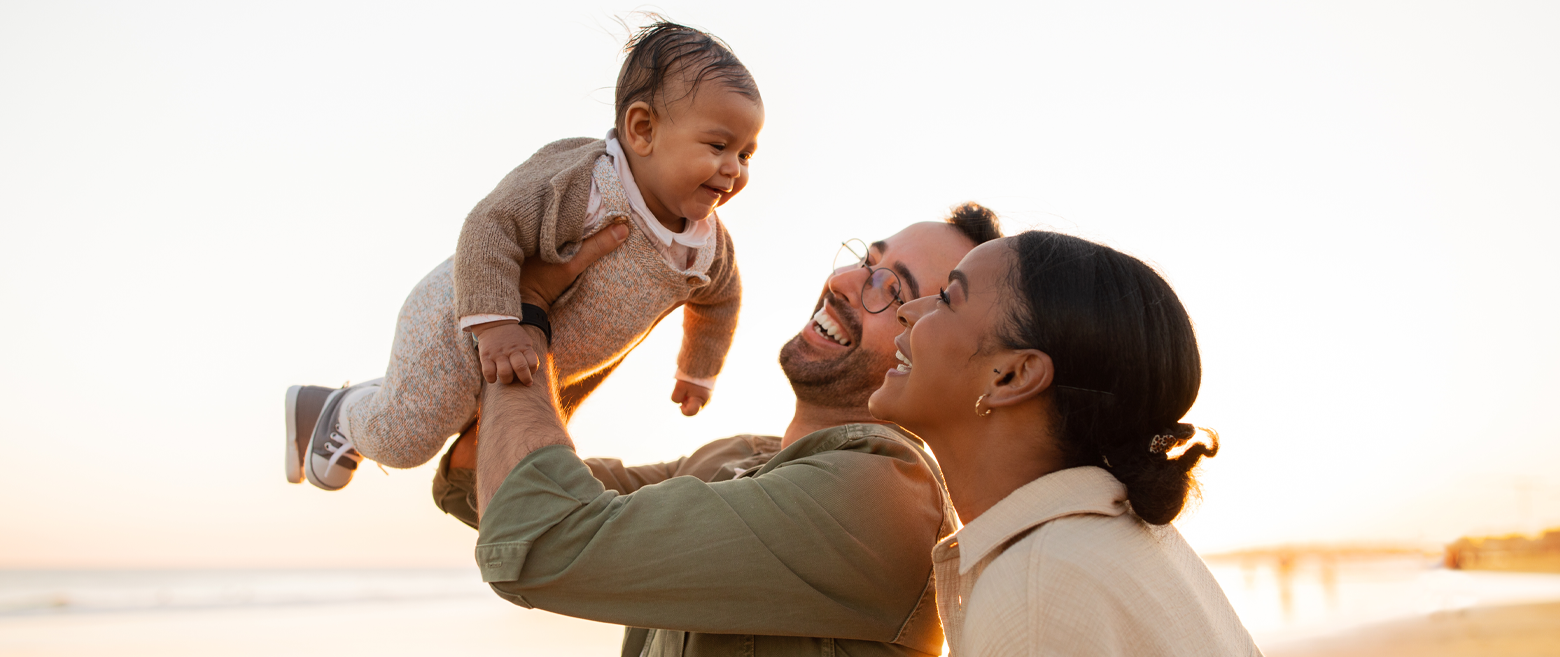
point(691, 396)
point(541, 283)
point(506, 352)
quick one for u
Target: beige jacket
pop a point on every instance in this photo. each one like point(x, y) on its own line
point(1062, 567)
point(539, 211)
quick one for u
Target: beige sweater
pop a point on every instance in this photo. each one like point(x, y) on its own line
point(538, 210)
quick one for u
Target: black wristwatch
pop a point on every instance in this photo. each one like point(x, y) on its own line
point(535, 316)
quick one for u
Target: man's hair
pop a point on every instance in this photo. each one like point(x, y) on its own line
point(977, 222)
point(665, 52)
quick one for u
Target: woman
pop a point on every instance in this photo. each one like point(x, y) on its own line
point(1050, 377)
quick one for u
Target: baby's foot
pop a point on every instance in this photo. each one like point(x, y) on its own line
point(303, 408)
point(332, 458)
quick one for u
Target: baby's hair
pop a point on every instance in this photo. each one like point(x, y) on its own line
point(664, 52)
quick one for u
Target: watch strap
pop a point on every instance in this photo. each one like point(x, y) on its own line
point(535, 316)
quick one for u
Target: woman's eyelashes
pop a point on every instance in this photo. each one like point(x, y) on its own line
point(942, 295)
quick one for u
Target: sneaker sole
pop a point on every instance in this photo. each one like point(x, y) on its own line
point(322, 429)
point(294, 464)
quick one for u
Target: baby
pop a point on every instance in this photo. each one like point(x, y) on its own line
point(688, 118)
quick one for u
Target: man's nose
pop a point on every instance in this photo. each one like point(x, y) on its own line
point(846, 282)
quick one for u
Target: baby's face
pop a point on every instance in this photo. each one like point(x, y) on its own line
point(699, 153)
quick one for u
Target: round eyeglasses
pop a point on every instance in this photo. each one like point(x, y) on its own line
point(881, 289)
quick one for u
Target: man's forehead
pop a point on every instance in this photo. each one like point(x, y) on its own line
point(928, 249)
point(926, 244)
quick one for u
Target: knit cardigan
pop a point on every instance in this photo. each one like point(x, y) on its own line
point(538, 211)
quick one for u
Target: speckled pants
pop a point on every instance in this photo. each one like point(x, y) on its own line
point(432, 386)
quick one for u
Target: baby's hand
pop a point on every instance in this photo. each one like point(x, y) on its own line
point(692, 397)
point(506, 353)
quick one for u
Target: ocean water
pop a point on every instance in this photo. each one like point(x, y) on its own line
point(172, 613)
point(1317, 595)
point(391, 613)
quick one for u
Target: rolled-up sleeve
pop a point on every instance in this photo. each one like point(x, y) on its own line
point(454, 491)
point(833, 544)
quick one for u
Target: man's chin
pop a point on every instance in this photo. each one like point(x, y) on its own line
point(843, 380)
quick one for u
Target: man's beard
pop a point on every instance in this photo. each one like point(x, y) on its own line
point(844, 381)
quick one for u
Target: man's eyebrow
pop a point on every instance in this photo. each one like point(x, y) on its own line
point(959, 277)
point(908, 278)
point(900, 269)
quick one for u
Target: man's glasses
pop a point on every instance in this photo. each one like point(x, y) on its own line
point(881, 289)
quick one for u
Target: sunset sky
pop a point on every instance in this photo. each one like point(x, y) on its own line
point(203, 203)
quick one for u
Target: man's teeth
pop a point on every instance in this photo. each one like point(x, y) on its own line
point(825, 325)
point(904, 363)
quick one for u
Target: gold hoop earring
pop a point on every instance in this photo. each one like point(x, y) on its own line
point(977, 407)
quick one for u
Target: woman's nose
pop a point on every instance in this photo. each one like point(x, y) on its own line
point(910, 312)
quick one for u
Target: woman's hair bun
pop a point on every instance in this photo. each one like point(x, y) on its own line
point(1158, 480)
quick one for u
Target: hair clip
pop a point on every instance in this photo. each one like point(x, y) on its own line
point(1162, 443)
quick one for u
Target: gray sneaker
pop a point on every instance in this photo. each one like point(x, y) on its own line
point(331, 458)
point(303, 408)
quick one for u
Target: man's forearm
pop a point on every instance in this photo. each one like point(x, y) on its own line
point(516, 420)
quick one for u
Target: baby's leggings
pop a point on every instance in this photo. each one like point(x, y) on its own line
point(431, 388)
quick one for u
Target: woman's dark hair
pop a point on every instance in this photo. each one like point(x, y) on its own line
point(976, 221)
point(1126, 361)
point(664, 52)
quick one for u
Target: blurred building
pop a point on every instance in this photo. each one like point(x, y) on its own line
point(1514, 552)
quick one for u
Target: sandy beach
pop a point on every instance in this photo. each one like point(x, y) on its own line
point(1529, 630)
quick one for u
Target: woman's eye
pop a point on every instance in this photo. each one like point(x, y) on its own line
point(942, 295)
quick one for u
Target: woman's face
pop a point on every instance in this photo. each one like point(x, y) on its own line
point(942, 369)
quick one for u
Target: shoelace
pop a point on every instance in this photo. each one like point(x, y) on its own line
point(342, 447)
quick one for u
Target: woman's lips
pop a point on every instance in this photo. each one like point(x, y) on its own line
point(904, 367)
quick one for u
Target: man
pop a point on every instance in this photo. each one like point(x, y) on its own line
point(814, 543)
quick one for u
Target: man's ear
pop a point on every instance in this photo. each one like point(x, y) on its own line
point(639, 126)
point(1024, 375)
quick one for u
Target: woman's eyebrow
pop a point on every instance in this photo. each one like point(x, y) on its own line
point(957, 276)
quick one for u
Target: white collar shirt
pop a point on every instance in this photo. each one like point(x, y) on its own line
point(678, 248)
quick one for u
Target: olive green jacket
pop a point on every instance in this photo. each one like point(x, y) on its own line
point(823, 549)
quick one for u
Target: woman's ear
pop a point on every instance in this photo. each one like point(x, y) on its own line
point(639, 126)
point(1022, 376)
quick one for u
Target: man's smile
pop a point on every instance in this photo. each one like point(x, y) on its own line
point(825, 325)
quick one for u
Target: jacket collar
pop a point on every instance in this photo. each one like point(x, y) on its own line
point(1074, 491)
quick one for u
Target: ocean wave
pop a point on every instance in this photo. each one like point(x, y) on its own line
point(69, 592)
